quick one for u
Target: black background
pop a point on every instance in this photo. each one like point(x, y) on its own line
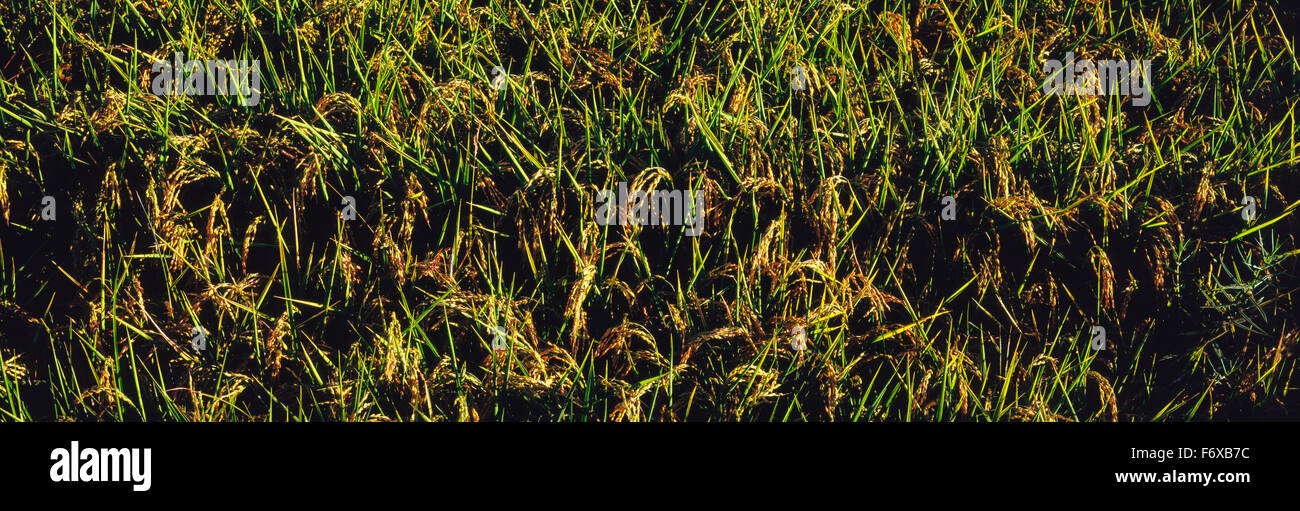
point(661, 465)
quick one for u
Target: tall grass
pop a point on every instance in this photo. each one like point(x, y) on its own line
point(476, 209)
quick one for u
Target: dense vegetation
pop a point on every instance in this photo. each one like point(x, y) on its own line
point(475, 208)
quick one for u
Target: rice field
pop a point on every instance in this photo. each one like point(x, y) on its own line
point(581, 210)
